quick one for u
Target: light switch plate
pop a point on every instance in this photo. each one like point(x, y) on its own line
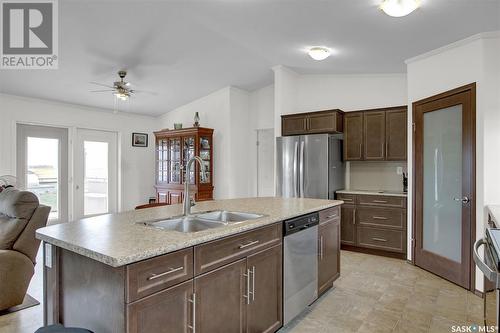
point(399, 170)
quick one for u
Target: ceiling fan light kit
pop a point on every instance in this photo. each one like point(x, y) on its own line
point(399, 8)
point(120, 89)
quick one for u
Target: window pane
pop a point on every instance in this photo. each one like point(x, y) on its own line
point(95, 178)
point(443, 182)
point(43, 172)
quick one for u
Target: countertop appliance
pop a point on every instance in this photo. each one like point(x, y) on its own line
point(305, 162)
point(490, 266)
point(300, 264)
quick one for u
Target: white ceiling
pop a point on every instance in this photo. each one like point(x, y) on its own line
point(186, 49)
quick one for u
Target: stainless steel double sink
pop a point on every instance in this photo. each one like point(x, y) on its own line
point(202, 221)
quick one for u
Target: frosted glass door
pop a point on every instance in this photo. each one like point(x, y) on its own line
point(442, 182)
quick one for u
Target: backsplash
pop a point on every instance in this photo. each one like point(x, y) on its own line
point(374, 176)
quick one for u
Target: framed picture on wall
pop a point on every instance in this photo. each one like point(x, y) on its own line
point(139, 139)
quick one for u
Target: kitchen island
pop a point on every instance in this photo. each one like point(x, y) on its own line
point(115, 273)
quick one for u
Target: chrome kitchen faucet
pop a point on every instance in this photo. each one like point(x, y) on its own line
point(187, 201)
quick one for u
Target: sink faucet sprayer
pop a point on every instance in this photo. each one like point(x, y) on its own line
point(188, 202)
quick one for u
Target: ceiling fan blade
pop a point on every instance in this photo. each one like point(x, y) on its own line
point(145, 92)
point(102, 85)
point(102, 90)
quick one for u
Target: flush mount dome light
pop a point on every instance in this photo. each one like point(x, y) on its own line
point(398, 8)
point(319, 52)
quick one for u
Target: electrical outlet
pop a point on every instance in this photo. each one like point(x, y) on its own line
point(399, 170)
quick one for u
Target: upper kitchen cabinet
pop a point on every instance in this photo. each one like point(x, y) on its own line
point(375, 135)
point(329, 121)
point(174, 148)
point(396, 134)
point(353, 136)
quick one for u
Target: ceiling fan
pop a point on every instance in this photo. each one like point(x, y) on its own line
point(121, 89)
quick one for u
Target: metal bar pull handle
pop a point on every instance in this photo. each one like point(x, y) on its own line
point(380, 201)
point(321, 248)
point(301, 170)
point(379, 239)
point(247, 295)
point(488, 272)
point(193, 306)
point(243, 246)
point(253, 283)
point(170, 271)
point(379, 218)
point(295, 172)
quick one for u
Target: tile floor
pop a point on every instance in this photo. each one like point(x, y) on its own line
point(373, 294)
point(377, 294)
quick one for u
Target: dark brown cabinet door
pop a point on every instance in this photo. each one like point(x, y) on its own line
point(293, 125)
point(329, 254)
point(324, 122)
point(353, 136)
point(220, 305)
point(374, 136)
point(348, 225)
point(168, 311)
point(396, 132)
point(265, 308)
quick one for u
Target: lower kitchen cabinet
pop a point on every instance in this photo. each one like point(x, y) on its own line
point(168, 311)
point(220, 299)
point(265, 309)
point(374, 223)
point(329, 254)
point(348, 225)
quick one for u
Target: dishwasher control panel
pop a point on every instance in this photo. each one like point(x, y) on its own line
point(300, 223)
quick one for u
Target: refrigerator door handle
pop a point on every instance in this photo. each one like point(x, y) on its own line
point(295, 162)
point(301, 170)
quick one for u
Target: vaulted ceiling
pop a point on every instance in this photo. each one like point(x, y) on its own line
point(182, 50)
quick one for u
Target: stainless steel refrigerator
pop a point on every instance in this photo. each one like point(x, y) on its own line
point(309, 166)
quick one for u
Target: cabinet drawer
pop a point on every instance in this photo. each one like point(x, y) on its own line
point(347, 198)
point(383, 239)
point(328, 214)
point(149, 276)
point(382, 200)
point(384, 217)
point(215, 254)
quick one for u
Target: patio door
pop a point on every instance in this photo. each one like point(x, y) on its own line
point(42, 166)
point(95, 172)
point(444, 171)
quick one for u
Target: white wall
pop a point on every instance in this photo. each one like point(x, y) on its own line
point(471, 60)
point(214, 113)
point(234, 114)
point(137, 164)
point(261, 118)
point(295, 93)
point(350, 92)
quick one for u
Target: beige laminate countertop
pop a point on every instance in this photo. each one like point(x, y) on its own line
point(374, 192)
point(117, 239)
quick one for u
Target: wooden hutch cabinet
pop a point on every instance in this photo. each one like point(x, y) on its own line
point(174, 148)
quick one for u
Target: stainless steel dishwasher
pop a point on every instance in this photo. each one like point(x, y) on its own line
point(300, 264)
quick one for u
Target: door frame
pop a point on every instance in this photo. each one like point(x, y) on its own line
point(62, 133)
point(79, 174)
point(466, 88)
